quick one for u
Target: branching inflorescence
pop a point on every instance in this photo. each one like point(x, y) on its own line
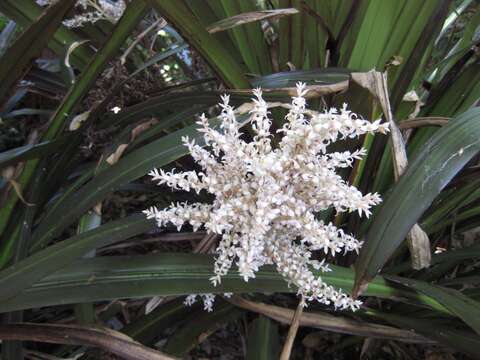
point(267, 198)
point(92, 11)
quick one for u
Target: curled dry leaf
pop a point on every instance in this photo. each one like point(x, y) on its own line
point(137, 130)
point(78, 120)
point(9, 175)
point(70, 50)
point(314, 91)
point(376, 83)
point(115, 156)
point(412, 96)
point(249, 17)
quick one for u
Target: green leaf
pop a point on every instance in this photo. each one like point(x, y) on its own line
point(147, 328)
point(30, 44)
point(25, 12)
point(26, 272)
point(471, 252)
point(453, 201)
point(444, 333)
point(6, 35)
point(426, 27)
point(462, 306)
point(164, 104)
point(14, 349)
point(26, 112)
point(248, 17)
point(310, 77)
point(226, 67)
point(198, 326)
point(130, 18)
point(441, 158)
point(239, 34)
point(106, 278)
point(263, 340)
point(133, 166)
point(85, 313)
point(29, 152)
point(168, 122)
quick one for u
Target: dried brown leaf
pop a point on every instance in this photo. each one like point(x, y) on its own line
point(376, 83)
point(103, 338)
point(331, 323)
point(249, 17)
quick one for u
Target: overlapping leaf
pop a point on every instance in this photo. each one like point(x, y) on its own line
point(441, 158)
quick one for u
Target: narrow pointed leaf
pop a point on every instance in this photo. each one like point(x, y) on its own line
point(263, 340)
point(133, 166)
point(26, 272)
point(34, 151)
point(130, 18)
point(245, 18)
point(459, 304)
point(29, 45)
point(198, 326)
point(441, 158)
point(465, 342)
point(25, 12)
point(212, 50)
point(147, 328)
point(107, 278)
point(7, 35)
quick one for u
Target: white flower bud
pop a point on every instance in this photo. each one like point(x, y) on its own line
point(266, 199)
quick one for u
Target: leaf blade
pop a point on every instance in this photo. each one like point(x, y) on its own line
point(29, 44)
point(442, 157)
point(26, 272)
point(165, 274)
point(459, 304)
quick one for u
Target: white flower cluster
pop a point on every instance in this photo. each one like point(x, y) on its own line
point(92, 11)
point(267, 198)
point(208, 300)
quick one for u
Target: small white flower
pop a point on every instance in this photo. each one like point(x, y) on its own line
point(92, 11)
point(190, 300)
point(208, 300)
point(266, 198)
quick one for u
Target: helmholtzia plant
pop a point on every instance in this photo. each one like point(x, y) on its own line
point(266, 198)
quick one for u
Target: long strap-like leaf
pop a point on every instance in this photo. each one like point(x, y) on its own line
point(33, 268)
point(209, 47)
point(29, 44)
point(132, 15)
point(441, 158)
point(105, 278)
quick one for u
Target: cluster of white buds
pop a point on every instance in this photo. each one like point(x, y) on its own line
point(92, 11)
point(208, 300)
point(267, 198)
